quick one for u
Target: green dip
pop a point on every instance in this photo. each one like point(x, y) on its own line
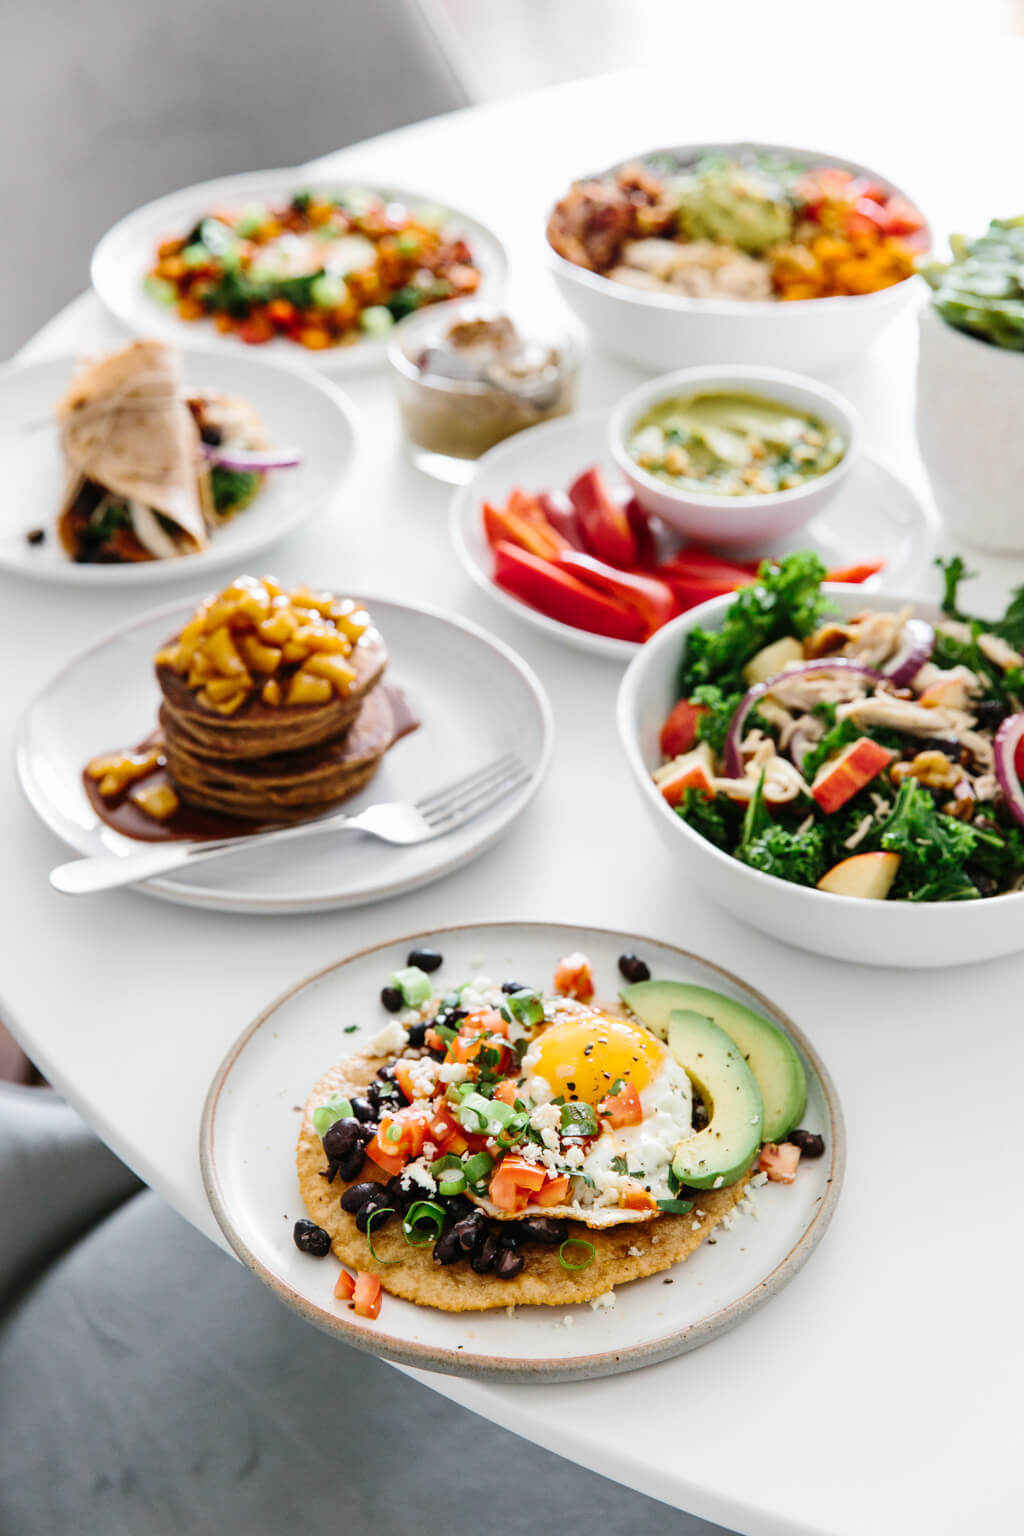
point(733, 445)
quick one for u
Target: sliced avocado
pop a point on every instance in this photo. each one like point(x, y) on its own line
point(723, 1151)
point(769, 1053)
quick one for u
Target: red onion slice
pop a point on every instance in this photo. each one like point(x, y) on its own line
point(1007, 740)
point(252, 459)
point(734, 735)
point(917, 646)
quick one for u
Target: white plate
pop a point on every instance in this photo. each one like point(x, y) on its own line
point(126, 253)
point(872, 516)
point(300, 410)
point(267, 1076)
point(464, 685)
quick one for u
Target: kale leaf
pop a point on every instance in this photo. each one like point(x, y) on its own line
point(834, 739)
point(933, 847)
point(954, 571)
point(786, 599)
point(717, 820)
point(790, 855)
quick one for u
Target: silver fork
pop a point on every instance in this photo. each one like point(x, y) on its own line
point(402, 822)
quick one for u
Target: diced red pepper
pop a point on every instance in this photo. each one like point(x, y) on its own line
point(622, 1108)
point(605, 526)
point(366, 1296)
point(653, 600)
point(855, 573)
point(561, 596)
point(533, 534)
point(679, 733)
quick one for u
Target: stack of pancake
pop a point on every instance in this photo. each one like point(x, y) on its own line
point(283, 762)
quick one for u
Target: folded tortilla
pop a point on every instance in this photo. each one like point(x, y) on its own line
point(126, 427)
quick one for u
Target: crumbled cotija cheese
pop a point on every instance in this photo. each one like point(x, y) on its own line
point(601, 1303)
point(390, 1041)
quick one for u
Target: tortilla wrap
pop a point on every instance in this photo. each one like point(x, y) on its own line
point(620, 1253)
point(125, 426)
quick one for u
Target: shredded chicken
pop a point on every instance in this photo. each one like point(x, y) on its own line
point(802, 691)
point(897, 714)
point(995, 649)
point(699, 269)
point(860, 831)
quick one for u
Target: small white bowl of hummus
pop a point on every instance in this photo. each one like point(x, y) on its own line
point(734, 457)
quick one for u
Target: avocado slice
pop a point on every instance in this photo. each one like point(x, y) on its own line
point(769, 1053)
point(723, 1151)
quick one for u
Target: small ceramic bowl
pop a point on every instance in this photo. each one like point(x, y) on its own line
point(735, 522)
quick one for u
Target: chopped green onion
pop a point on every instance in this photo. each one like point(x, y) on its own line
point(577, 1242)
point(526, 1006)
point(415, 985)
point(328, 290)
point(325, 1115)
point(160, 289)
point(475, 1113)
point(446, 1032)
point(477, 1167)
point(454, 1184)
point(385, 1210)
point(513, 1129)
point(616, 1087)
point(675, 1207)
point(195, 255)
point(500, 1112)
point(377, 320)
point(443, 1164)
point(578, 1119)
point(423, 1210)
point(393, 1133)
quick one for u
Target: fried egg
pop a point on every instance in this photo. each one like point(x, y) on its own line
point(580, 1056)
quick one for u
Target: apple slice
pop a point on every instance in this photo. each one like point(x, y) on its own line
point(694, 770)
point(839, 779)
point(946, 693)
point(869, 875)
point(772, 659)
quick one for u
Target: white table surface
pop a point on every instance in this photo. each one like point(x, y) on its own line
point(876, 1393)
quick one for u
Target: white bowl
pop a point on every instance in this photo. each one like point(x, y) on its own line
point(735, 522)
point(665, 331)
point(906, 934)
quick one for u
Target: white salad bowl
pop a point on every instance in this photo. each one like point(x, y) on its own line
point(664, 331)
point(735, 522)
point(900, 933)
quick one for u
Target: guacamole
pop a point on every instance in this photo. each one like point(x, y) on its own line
point(733, 444)
point(735, 205)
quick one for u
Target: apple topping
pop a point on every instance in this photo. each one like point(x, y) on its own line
point(119, 769)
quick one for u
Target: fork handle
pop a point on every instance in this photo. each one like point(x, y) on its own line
point(82, 877)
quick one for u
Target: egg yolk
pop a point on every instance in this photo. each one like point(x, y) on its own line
point(582, 1057)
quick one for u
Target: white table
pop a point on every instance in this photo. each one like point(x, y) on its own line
point(875, 1394)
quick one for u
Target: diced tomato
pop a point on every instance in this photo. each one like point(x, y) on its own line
point(345, 1286)
point(387, 1150)
point(679, 733)
point(446, 1133)
point(575, 978)
point(553, 1191)
point(391, 1162)
point(854, 574)
point(562, 516)
point(904, 218)
point(403, 1078)
point(604, 523)
point(513, 1182)
point(652, 599)
point(533, 533)
point(484, 1021)
point(622, 1108)
point(506, 1091)
point(636, 1198)
point(779, 1162)
point(282, 312)
point(256, 330)
point(432, 1040)
point(366, 1295)
point(872, 212)
point(562, 596)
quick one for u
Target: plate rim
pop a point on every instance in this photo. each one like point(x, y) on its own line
point(487, 1367)
point(151, 573)
point(333, 360)
point(462, 508)
point(204, 899)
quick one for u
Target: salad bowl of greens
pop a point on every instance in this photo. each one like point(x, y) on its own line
point(841, 769)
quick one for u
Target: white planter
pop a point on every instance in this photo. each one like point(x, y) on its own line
point(970, 429)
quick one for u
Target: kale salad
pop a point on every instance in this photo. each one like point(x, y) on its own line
point(876, 756)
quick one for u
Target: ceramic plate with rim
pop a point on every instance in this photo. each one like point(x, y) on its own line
point(299, 410)
point(251, 1181)
point(126, 252)
point(464, 685)
point(872, 516)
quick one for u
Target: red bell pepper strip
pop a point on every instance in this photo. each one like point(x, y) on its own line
point(604, 524)
point(562, 516)
point(653, 600)
point(690, 593)
point(532, 533)
point(643, 533)
point(701, 564)
point(855, 573)
point(561, 596)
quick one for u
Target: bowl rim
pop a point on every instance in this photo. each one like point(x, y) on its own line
point(760, 308)
point(563, 335)
point(647, 657)
point(835, 404)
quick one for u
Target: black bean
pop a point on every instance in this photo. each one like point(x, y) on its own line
point(513, 986)
point(398, 1195)
point(508, 1235)
point(810, 1144)
point(471, 1228)
point(363, 1110)
point(457, 1206)
point(392, 999)
point(508, 1263)
point(543, 1229)
point(309, 1238)
point(351, 1167)
point(425, 959)
point(356, 1196)
point(375, 1203)
point(342, 1137)
point(634, 969)
point(481, 1260)
point(386, 1074)
point(417, 1035)
point(36, 536)
point(447, 1248)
